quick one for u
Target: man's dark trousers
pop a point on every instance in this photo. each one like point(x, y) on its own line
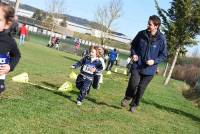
point(136, 86)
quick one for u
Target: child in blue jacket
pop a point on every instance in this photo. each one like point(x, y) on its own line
point(90, 65)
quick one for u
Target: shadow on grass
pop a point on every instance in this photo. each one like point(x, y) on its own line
point(69, 58)
point(176, 111)
point(191, 94)
point(50, 84)
point(119, 73)
point(72, 92)
point(95, 101)
point(55, 91)
point(102, 103)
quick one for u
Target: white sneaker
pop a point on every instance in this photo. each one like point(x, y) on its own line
point(79, 103)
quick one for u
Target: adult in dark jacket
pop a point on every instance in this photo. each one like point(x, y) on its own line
point(148, 49)
point(112, 57)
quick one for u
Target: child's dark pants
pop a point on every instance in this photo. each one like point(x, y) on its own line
point(83, 84)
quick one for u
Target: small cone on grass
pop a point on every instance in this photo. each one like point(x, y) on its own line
point(108, 72)
point(22, 78)
point(67, 86)
point(73, 75)
point(125, 72)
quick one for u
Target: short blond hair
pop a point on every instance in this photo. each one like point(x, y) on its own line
point(100, 51)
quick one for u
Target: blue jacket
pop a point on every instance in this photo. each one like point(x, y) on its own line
point(86, 63)
point(112, 55)
point(148, 48)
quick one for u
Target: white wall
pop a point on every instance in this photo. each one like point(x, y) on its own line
point(25, 13)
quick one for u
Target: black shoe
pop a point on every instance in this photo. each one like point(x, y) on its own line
point(2, 86)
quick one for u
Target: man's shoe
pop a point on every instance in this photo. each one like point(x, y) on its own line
point(124, 102)
point(132, 109)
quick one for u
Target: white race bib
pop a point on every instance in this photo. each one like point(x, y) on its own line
point(87, 68)
point(2, 77)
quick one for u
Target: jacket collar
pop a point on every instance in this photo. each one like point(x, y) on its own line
point(155, 37)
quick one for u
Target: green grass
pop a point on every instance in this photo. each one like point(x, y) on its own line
point(67, 45)
point(31, 109)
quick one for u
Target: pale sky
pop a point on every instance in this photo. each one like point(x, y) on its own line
point(135, 13)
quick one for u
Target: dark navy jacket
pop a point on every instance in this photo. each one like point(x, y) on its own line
point(86, 63)
point(9, 52)
point(148, 48)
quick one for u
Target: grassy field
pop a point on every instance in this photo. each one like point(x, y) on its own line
point(32, 109)
point(67, 45)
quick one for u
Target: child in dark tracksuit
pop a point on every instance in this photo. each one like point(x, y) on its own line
point(89, 66)
point(9, 52)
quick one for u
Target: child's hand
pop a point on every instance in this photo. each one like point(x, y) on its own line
point(92, 69)
point(73, 67)
point(4, 69)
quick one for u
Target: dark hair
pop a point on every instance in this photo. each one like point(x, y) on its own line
point(9, 12)
point(156, 20)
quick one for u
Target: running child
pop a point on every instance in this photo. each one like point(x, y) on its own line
point(9, 52)
point(89, 66)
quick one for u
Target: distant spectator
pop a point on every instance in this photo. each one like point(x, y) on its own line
point(54, 42)
point(112, 57)
point(77, 45)
point(23, 33)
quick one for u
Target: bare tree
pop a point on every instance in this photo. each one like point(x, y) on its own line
point(55, 8)
point(16, 6)
point(106, 15)
point(166, 68)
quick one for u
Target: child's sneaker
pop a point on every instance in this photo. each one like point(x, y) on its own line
point(79, 103)
point(2, 86)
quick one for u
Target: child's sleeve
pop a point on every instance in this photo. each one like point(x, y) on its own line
point(14, 56)
point(103, 63)
point(99, 68)
point(79, 63)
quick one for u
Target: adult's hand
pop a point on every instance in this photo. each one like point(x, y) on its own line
point(150, 62)
point(135, 58)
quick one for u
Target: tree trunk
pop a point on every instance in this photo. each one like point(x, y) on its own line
point(16, 6)
point(166, 68)
point(172, 67)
